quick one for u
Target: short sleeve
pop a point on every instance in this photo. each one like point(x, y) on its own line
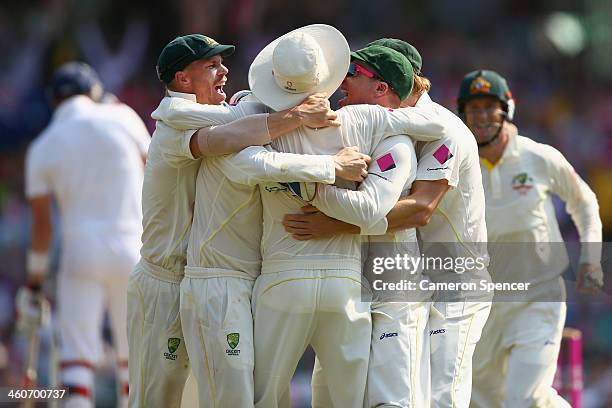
point(439, 160)
point(174, 145)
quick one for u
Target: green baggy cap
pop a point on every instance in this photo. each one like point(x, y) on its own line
point(390, 65)
point(404, 48)
point(182, 51)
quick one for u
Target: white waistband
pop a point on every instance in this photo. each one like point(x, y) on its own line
point(275, 266)
point(160, 273)
point(205, 273)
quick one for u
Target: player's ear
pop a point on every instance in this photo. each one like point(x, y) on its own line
point(182, 79)
point(382, 88)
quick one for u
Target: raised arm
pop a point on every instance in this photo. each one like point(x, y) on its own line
point(422, 124)
point(183, 114)
point(229, 129)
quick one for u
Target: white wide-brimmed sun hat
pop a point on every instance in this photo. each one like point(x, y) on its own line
point(308, 60)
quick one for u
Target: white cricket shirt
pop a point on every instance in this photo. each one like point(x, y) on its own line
point(520, 211)
point(90, 159)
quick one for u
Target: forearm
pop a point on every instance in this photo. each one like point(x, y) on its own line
point(256, 165)
point(42, 234)
point(231, 137)
point(421, 124)
point(408, 213)
point(584, 211)
point(254, 130)
point(583, 207)
point(417, 209)
point(589, 226)
point(356, 208)
point(37, 264)
point(283, 122)
point(341, 227)
point(183, 115)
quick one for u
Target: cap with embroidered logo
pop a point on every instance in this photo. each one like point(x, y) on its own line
point(182, 51)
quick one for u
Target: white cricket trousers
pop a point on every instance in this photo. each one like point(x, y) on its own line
point(454, 330)
point(516, 359)
point(158, 361)
point(398, 371)
point(218, 326)
point(93, 277)
point(294, 308)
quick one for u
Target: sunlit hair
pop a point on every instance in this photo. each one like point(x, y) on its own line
point(421, 84)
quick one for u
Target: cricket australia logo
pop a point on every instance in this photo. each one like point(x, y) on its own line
point(522, 183)
point(210, 42)
point(232, 340)
point(480, 85)
point(173, 345)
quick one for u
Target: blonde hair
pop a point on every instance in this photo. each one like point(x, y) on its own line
point(421, 84)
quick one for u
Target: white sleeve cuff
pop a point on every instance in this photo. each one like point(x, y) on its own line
point(329, 170)
point(378, 228)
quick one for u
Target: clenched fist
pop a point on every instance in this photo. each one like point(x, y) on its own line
point(351, 165)
point(315, 112)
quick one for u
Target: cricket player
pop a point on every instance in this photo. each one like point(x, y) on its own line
point(446, 204)
point(310, 292)
point(398, 371)
point(89, 160)
point(192, 69)
point(516, 359)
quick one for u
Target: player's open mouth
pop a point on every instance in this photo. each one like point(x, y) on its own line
point(219, 89)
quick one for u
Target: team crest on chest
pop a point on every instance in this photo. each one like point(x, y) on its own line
point(522, 183)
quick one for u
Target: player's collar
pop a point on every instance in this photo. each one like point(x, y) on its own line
point(511, 149)
point(71, 106)
point(424, 100)
point(189, 96)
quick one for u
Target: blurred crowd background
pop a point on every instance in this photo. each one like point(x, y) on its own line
point(556, 55)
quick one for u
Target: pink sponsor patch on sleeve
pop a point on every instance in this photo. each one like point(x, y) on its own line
point(442, 154)
point(386, 162)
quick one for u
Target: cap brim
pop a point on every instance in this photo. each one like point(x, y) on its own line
point(355, 55)
point(221, 49)
point(337, 54)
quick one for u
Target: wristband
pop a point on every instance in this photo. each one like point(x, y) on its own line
point(37, 262)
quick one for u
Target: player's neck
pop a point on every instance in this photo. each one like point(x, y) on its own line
point(494, 152)
point(412, 100)
point(388, 102)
